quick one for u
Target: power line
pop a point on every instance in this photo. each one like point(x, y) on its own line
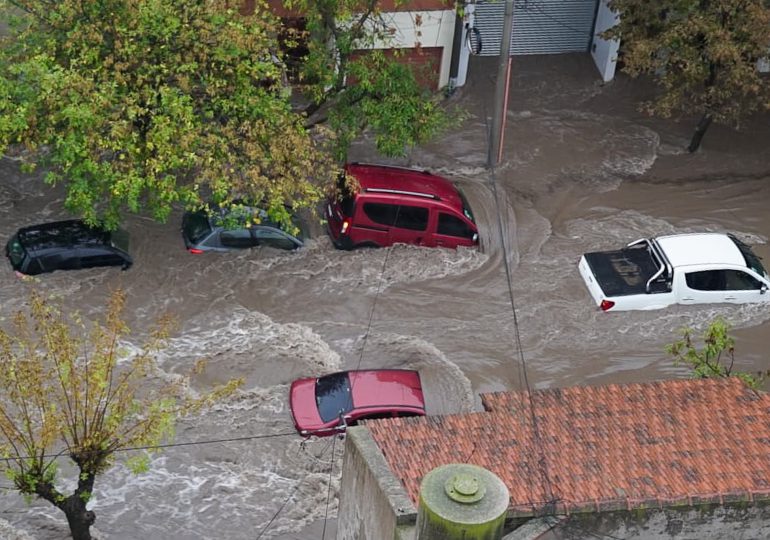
point(293, 491)
point(328, 491)
point(548, 495)
point(168, 445)
point(376, 296)
point(280, 509)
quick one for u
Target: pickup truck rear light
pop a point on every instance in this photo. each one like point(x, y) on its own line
point(195, 251)
point(606, 305)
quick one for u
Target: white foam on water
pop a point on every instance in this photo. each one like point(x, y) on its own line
point(369, 270)
point(610, 228)
point(245, 343)
point(445, 386)
point(215, 490)
point(594, 150)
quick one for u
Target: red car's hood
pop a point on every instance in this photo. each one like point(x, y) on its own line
point(303, 407)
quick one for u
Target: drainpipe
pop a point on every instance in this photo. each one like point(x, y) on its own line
point(501, 90)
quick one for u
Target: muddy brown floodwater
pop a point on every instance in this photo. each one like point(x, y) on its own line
point(582, 170)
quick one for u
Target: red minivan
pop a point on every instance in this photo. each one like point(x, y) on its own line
point(399, 205)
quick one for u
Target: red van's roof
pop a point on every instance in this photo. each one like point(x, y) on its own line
point(385, 177)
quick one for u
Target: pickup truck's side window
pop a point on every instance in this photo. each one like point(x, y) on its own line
point(722, 280)
point(738, 280)
point(707, 280)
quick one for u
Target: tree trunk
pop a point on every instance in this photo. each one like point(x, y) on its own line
point(700, 131)
point(79, 519)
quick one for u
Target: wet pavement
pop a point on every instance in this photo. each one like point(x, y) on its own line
point(582, 171)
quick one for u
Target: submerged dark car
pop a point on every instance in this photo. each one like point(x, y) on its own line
point(66, 245)
point(240, 227)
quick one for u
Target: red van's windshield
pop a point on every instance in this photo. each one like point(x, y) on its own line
point(466, 207)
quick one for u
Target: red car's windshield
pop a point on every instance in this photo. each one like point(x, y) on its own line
point(332, 396)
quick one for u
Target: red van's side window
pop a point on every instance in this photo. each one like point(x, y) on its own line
point(384, 214)
point(414, 218)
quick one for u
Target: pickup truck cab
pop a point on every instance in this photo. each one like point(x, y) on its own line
point(697, 268)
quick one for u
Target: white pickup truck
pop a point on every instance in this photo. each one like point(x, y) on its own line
point(697, 268)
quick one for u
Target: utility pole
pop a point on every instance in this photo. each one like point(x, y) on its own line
point(501, 90)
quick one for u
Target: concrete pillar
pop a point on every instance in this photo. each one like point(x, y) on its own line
point(461, 502)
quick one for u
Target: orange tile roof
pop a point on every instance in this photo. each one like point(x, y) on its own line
point(677, 442)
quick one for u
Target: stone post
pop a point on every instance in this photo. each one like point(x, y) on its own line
point(461, 502)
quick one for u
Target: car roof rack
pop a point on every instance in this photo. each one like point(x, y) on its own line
point(400, 167)
point(403, 192)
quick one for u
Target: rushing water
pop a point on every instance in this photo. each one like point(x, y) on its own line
point(582, 171)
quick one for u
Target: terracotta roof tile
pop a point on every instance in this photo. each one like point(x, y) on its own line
point(604, 447)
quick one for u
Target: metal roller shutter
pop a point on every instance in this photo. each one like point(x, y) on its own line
point(539, 26)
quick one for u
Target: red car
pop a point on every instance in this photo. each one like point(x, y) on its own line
point(397, 205)
point(327, 405)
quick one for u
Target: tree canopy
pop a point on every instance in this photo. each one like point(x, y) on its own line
point(71, 391)
point(703, 54)
point(137, 106)
point(358, 85)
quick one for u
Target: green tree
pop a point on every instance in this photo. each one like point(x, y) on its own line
point(716, 358)
point(354, 86)
point(136, 106)
point(68, 390)
point(703, 54)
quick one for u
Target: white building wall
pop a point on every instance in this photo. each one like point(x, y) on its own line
point(435, 29)
point(605, 52)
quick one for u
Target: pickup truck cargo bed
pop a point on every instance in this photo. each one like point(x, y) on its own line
point(622, 272)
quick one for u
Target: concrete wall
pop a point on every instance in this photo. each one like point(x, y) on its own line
point(373, 504)
point(712, 522)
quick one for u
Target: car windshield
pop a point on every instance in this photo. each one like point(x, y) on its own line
point(301, 226)
point(119, 239)
point(752, 260)
point(466, 207)
point(196, 226)
point(332, 396)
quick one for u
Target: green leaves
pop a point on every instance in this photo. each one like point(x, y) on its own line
point(703, 53)
point(715, 358)
point(69, 390)
point(359, 85)
point(387, 100)
point(140, 105)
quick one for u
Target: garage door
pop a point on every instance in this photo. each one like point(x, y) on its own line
point(539, 26)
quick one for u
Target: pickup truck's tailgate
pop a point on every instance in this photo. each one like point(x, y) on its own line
point(590, 280)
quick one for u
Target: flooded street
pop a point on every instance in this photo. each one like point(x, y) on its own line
point(582, 171)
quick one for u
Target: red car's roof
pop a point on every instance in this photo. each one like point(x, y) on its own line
point(384, 177)
point(386, 387)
